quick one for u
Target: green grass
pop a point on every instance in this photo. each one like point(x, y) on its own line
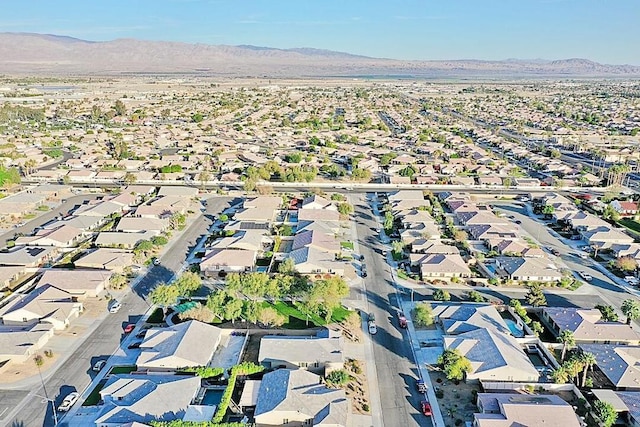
point(402, 274)
point(298, 320)
point(157, 316)
point(346, 245)
point(123, 369)
point(631, 224)
point(94, 396)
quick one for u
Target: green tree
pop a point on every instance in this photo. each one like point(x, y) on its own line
point(454, 365)
point(164, 295)
point(388, 221)
point(188, 283)
point(548, 210)
point(537, 328)
point(631, 309)
point(120, 108)
point(287, 266)
point(232, 309)
point(475, 296)
point(199, 312)
point(588, 360)
point(326, 295)
point(535, 297)
point(423, 314)
point(269, 316)
point(568, 340)
point(608, 313)
point(460, 236)
point(441, 295)
point(397, 247)
point(345, 208)
point(118, 281)
point(626, 264)
point(606, 412)
point(560, 376)
point(251, 310)
point(159, 240)
point(129, 178)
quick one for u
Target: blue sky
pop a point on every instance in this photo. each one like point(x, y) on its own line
point(602, 30)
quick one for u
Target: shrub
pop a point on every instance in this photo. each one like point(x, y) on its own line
point(365, 407)
point(38, 360)
point(337, 378)
point(422, 314)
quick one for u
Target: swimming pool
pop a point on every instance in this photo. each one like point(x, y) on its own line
point(212, 397)
point(513, 327)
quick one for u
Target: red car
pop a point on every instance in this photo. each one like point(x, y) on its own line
point(129, 328)
point(426, 408)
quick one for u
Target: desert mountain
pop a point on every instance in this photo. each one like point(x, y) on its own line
point(51, 54)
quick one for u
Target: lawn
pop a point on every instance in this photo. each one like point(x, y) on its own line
point(298, 319)
point(157, 316)
point(346, 245)
point(631, 224)
point(94, 397)
point(123, 369)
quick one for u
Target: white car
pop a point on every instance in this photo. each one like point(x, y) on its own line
point(586, 276)
point(69, 401)
point(632, 280)
point(373, 329)
point(114, 306)
point(99, 365)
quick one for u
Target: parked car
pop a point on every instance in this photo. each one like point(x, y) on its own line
point(129, 328)
point(97, 367)
point(586, 276)
point(632, 280)
point(373, 329)
point(141, 334)
point(425, 407)
point(422, 387)
point(583, 255)
point(402, 320)
point(134, 345)
point(555, 252)
point(114, 306)
point(69, 401)
point(156, 261)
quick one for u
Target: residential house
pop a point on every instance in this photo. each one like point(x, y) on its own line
point(65, 236)
point(587, 326)
point(458, 318)
point(114, 260)
point(297, 398)
point(130, 398)
point(527, 269)
point(114, 239)
point(309, 260)
point(509, 410)
point(46, 304)
point(318, 202)
point(605, 237)
point(19, 344)
point(318, 215)
point(27, 256)
point(218, 261)
point(129, 224)
point(444, 266)
point(316, 239)
point(494, 356)
point(190, 343)
point(625, 208)
point(625, 403)
point(626, 250)
point(316, 354)
point(9, 275)
point(619, 363)
point(79, 283)
point(178, 191)
point(249, 240)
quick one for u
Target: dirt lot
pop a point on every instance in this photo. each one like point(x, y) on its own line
point(357, 389)
point(457, 401)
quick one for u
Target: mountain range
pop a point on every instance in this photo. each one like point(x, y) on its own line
point(30, 53)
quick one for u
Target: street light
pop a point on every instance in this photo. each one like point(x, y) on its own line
point(53, 406)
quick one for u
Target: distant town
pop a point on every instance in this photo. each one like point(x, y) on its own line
point(182, 251)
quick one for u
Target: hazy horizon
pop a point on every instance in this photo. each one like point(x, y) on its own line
point(488, 30)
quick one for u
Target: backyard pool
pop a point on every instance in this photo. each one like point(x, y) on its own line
point(212, 397)
point(513, 327)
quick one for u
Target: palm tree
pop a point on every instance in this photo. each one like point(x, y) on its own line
point(631, 309)
point(560, 375)
point(588, 360)
point(568, 340)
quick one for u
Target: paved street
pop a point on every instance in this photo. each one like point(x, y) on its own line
point(392, 351)
point(75, 373)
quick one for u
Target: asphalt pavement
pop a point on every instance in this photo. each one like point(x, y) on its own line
point(75, 374)
point(394, 360)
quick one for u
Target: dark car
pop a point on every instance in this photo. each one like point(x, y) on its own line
point(134, 345)
point(555, 252)
point(364, 274)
